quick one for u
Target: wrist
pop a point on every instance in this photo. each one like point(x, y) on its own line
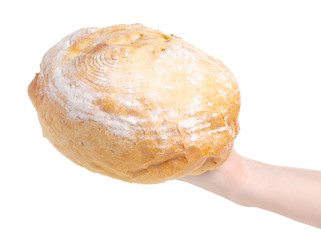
point(249, 191)
point(234, 176)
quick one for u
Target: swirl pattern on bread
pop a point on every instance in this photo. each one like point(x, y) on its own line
point(135, 104)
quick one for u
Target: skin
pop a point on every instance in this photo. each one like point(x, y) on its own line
point(292, 192)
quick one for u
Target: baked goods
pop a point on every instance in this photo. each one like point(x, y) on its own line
point(135, 104)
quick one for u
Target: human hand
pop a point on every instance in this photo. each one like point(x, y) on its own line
point(291, 192)
point(226, 180)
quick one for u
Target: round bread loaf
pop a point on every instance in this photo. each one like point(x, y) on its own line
point(135, 104)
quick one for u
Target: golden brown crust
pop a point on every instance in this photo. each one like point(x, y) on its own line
point(135, 104)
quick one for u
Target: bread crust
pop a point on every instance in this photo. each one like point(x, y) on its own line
point(136, 104)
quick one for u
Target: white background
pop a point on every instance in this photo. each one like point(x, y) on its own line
point(272, 47)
